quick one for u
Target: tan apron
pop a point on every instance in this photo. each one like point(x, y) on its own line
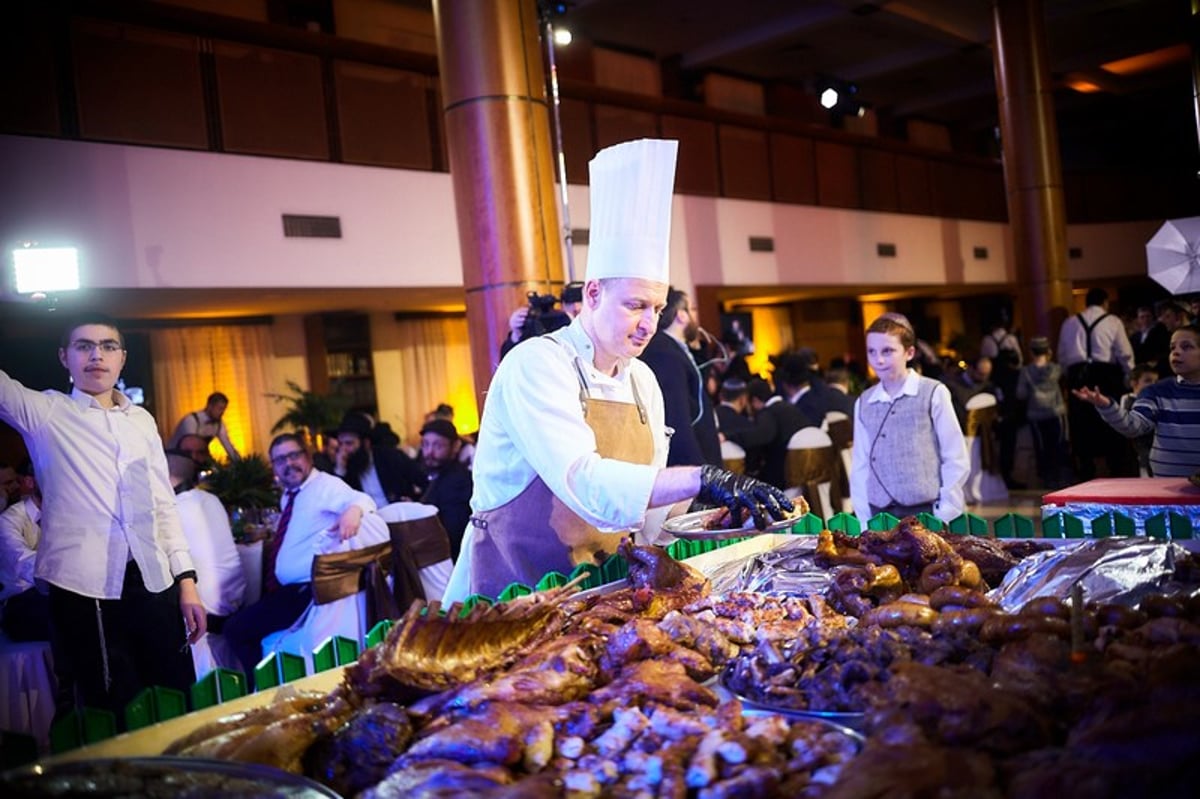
point(536, 533)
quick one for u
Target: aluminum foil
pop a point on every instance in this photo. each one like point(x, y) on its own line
point(1110, 570)
point(1089, 511)
point(786, 569)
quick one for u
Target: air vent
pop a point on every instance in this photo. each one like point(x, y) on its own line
point(580, 235)
point(312, 227)
point(884, 250)
point(1074, 253)
point(762, 244)
point(981, 253)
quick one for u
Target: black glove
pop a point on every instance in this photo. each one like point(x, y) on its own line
point(740, 493)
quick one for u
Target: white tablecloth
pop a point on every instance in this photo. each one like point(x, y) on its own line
point(27, 689)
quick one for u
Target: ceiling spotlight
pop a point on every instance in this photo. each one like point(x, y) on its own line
point(562, 37)
point(829, 98)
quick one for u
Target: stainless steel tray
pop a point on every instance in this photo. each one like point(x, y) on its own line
point(693, 526)
point(850, 721)
point(158, 776)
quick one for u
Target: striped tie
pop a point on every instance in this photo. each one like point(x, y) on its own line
point(271, 554)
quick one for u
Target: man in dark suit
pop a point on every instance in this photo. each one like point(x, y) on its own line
point(450, 483)
point(731, 412)
point(385, 474)
point(688, 408)
point(775, 422)
point(801, 386)
point(1151, 340)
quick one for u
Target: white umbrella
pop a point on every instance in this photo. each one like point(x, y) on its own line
point(1173, 255)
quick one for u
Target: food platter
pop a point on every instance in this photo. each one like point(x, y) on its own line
point(159, 776)
point(846, 722)
point(698, 526)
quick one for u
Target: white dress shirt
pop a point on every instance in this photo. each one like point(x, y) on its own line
point(1110, 343)
point(19, 534)
point(321, 500)
point(105, 491)
point(533, 425)
point(220, 579)
point(952, 452)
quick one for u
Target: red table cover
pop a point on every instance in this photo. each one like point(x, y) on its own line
point(1128, 491)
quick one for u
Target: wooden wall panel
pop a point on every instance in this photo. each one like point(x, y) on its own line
point(745, 163)
point(793, 169)
point(579, 145)
point(879, 190)
point(383, 116)
point(837, 175)
point(943, 190)
point(138, 85)
point(272, 101)
point(696, 171)
point(912, 185)
point(615, 125)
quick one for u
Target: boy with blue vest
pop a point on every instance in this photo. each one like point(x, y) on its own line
point(909, 454)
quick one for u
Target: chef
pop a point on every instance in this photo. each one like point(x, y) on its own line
point(572, 446)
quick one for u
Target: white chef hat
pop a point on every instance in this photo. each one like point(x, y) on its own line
point(631, 187)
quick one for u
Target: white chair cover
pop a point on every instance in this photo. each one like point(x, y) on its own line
point(982, 486)
point(435, 577)
point(345, 617)
point(813, 438)
point(832, 416)
point(27, 689)
point(732, 451)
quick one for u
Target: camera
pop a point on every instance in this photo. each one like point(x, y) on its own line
point(542, 317)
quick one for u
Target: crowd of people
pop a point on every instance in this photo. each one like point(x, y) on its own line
point(611, 423)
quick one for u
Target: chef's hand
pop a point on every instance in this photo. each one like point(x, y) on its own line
point(742, 494)
point(347, 524)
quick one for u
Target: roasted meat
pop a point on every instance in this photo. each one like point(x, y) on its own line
point(360, 754)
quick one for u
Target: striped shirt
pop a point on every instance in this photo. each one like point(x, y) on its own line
point(1171, 409)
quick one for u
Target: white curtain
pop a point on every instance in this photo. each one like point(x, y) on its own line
point(192, 362)
point(421, 362)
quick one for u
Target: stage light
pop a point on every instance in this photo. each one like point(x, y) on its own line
point(562, 37)
point(41, 270)
point(829, 98)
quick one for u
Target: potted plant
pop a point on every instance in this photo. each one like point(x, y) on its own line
point(247, 490)
point(308, 412)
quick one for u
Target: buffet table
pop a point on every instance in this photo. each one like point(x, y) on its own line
point(1139, 498)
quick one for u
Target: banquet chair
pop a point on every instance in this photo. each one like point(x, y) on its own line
point(418, 538)
point(841, 431)
point(734, 457)
point(984, 483)
point(27, 688)
point(813, 471)
point(350, 591)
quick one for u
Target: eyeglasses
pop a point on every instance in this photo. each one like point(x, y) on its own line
point(84, 347)
point(288, 457)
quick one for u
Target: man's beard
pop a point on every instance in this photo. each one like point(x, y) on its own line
point(691, 332)
point(358, 462)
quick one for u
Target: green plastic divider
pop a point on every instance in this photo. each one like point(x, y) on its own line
point(1062, 525)
point(882, 522)
point(380, 631)
point(615, 568)
point(266, 673)
point(152, 705)
point(16, 749)
point(551, 580)
point(1174, 526)
point(292, 667)
point(679, 549)
point(845, 522)
point(82, 726)
point(969, 524)
point(931, 522)
point(591, 574)
point(1113, 523)
point(1102, 526)
point(140, 712)
point(334, 651)
point(514, 590)
point(1010, 525)
point(472, 601)
point(808, 524)
point(219, 685)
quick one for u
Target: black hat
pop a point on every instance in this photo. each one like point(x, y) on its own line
point(356, 423)
point(443, 427)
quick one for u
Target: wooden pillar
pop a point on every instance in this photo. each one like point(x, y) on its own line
point(1032, 168)
point(497, 117)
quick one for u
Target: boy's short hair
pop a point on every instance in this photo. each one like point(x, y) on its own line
point(895, 324)
point(88, 318)
point(1140, 371)
point(216, 397)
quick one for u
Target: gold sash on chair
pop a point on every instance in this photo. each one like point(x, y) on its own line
point(841, 433)
point(344, 574)
point(980, 423)
point(808, 468)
